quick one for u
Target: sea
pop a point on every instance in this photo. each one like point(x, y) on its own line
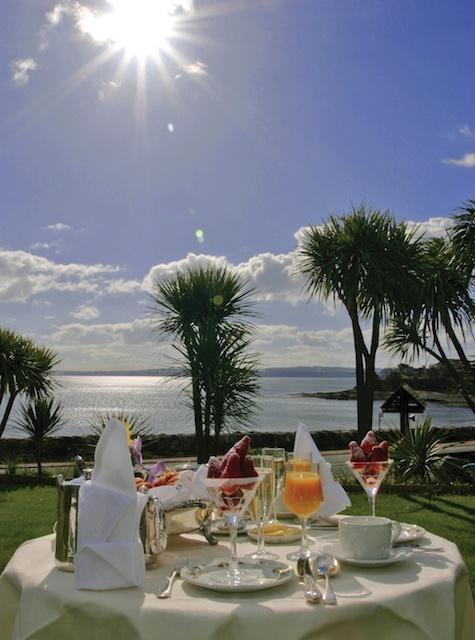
point(164, 402)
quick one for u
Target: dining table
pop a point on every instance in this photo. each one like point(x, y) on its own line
point(425, 596)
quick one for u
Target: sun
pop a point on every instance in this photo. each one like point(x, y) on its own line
point(141, 28)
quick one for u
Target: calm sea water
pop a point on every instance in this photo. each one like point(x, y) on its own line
point(163, 401)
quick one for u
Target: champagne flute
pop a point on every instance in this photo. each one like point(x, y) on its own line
point(278, 465)
point(260, 506)
point(370, 476)
point(302, 496)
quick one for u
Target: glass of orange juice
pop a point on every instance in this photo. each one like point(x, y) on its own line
point(302, 496)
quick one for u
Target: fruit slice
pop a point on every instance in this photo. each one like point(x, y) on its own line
point(379, 453)
point(368, 442)
point(247, 468)
point(232, 466)
point(214, 467)
point(356, 453)
point(242, 447)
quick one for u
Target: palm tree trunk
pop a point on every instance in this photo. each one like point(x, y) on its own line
point(458, 347)
point(442, 358)
point(364, 397)
point(38, 457)
point(7, 412)
point(198, 416)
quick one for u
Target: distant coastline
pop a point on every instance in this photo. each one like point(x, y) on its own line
point(448, 399)
point(268, 372)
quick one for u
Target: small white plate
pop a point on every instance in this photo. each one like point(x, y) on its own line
point(285, 533)
point(259, 575)
point(395, 555)
point(409, 533)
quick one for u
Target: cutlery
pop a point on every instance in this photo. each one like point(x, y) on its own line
point(167, 592)
point(312, 592)
point(325, 565)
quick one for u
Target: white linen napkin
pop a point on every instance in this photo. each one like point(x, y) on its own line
point(334, 496)
point(110, 554)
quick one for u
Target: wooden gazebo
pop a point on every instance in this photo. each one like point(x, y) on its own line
point(404, 401)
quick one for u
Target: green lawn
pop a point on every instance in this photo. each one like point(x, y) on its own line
point(30, 512)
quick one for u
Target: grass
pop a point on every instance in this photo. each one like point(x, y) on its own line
point(27, 513)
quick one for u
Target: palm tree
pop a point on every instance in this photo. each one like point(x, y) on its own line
point(462, 235)
point(442, 304)
point(365, 260)
point(25, 369)
point(40, 419)
point(207, 309)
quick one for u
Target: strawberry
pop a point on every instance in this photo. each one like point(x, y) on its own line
point(214, 467)
point(368, 442)
point(232, 467)
point(378, 454)
point(356, 453)
point(242, 447)
point(247, 468)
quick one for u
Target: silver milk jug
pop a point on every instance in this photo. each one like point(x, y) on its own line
point(66, 527)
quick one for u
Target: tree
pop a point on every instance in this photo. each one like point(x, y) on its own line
point(365, 260)
point(462, 236)
point(440, 304)
point(40, 419)
point(207, 309)
point(25, 369)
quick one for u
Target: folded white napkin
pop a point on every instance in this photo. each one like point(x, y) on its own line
point(110, 554)
point(334, 496)
point(189, 486)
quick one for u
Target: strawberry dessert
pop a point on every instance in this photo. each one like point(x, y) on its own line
point(234, 476)
point(369, 462)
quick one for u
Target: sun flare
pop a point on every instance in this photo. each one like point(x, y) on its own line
point(141, 28)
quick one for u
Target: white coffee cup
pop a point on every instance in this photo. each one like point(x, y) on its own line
point(367, 537)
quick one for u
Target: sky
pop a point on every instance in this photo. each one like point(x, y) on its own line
point(141, 136)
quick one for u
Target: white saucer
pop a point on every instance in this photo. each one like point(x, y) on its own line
point(409, 533)
point(259, 575)
point(330, 522)
point(395, 555)
point(286, 533)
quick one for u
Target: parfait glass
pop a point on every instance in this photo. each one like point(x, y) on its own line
point(370, 476)
point(302, 496)
point(260, 507)
point(232, 497)
point(278, 465)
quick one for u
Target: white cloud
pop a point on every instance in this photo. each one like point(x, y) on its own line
point(58, 227)
point(197, 68)
point(436, 227)
point(85, 312)
point(121, 287)
point(465, 130)
point(271, 274)
point(21, 70)
point(467, 161)
point(23, 275)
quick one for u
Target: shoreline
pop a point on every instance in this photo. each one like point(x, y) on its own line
point(447, 399)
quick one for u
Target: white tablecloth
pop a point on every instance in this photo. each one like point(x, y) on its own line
point(426, 597)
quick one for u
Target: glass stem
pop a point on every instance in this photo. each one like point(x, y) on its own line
point(372, 503)
point(233, 561)
point(304, 542)
point(260, 538)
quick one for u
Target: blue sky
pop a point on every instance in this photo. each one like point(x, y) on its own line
point(239, 123)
